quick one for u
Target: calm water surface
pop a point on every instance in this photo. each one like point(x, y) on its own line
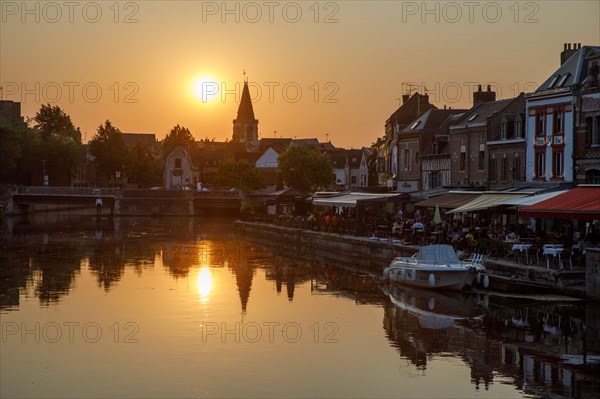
point(184, 308)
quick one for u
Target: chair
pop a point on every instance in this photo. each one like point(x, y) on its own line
point(564, 259)
point(533, 254)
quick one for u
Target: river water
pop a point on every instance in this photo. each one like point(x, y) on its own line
point(140, 307)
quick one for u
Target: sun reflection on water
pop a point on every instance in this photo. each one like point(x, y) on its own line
point(205, 283)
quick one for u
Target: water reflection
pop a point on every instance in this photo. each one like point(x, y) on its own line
point(504, 346)
point(205, 283)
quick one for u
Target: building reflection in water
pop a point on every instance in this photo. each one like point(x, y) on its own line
point(543, 348)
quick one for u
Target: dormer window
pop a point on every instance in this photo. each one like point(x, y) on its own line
point(553, 81)
point(518, 127)
point(562, 80)
point(503, 130)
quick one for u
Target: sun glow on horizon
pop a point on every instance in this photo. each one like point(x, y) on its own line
point(206, 89)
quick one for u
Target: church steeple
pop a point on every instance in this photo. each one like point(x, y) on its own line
point(245, 126)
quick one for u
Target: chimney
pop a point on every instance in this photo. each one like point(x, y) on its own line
point(405, 98)
point(568, 51)
point(484, 96)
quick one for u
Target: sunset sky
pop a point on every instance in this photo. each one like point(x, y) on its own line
point(328, 68)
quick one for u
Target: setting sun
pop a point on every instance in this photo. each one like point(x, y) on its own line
point(206, 89)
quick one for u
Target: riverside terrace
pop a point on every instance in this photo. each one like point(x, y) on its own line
point(372, 254)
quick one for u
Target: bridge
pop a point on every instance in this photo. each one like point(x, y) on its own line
point(121, 202)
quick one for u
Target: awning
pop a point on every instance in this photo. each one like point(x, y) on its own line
point(526, 201)
point(450, 200)
point(582, 202)
point(485, 201)
point(350, 200)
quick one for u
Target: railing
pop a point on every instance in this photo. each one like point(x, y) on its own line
point(70, 191)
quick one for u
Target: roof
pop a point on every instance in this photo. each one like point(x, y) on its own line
point(486, 201)
point(209, 155)
point(431, 120)
point(146, 139)
point(583, 202)
point(449, 201)
point(277, 144)
point(350, 200)
point(413, 107)
point(245, 110)
point(573, 71)
point(480, 113)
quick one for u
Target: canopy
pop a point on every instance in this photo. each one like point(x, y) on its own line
point(450, 200)
point(534, 199)
point(485, 201)
point(582, 202)
point(350, 200)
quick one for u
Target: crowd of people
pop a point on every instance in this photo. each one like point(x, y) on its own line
point(486, 236)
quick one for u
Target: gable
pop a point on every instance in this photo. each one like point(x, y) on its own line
point(268, 160)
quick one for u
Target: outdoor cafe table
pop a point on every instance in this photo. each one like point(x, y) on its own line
point(521, 248)
point(552, 250)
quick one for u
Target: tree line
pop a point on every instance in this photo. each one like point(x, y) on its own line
point(50, 144)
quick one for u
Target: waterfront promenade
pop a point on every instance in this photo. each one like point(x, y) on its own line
point(373, 254)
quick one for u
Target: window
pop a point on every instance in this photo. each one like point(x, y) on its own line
point(414, 125)
point(178, 163)
point(562, 80)
point(557, 164)
point(407, 165)
point(353, 179)
point(503, 131)
point(540, 124)
point(436, 179)
point(504, 170)
point(540, 169)
point(553, 81)
point(592, 176)
point(517, 169)
point(592, 126)
point(558, 122)
point(481, 160)
point(518, 128)
point(493, 175)
point(463, 161)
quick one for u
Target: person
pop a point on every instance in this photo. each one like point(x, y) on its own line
point(98, 206)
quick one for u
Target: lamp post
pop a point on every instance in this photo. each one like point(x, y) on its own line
point(45, 176)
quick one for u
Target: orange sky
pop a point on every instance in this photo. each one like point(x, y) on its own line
point(334, 68)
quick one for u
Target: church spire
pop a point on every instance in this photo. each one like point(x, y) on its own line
point(245, 110)
point(245, 126)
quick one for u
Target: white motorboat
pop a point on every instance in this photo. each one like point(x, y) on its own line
point(434, 266)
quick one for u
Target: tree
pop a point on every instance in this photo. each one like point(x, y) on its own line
point(178, 136)
point(144, 166)
point(60, 148)
point(306, 168)
point(51, 120)
point(10, 152)
point(108, 147)
point(237, 173)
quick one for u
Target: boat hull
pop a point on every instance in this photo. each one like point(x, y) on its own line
point(432, 277)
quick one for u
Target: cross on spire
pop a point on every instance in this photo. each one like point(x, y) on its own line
point(245, 80)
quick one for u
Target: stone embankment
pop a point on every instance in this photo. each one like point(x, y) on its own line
point(375, 254)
